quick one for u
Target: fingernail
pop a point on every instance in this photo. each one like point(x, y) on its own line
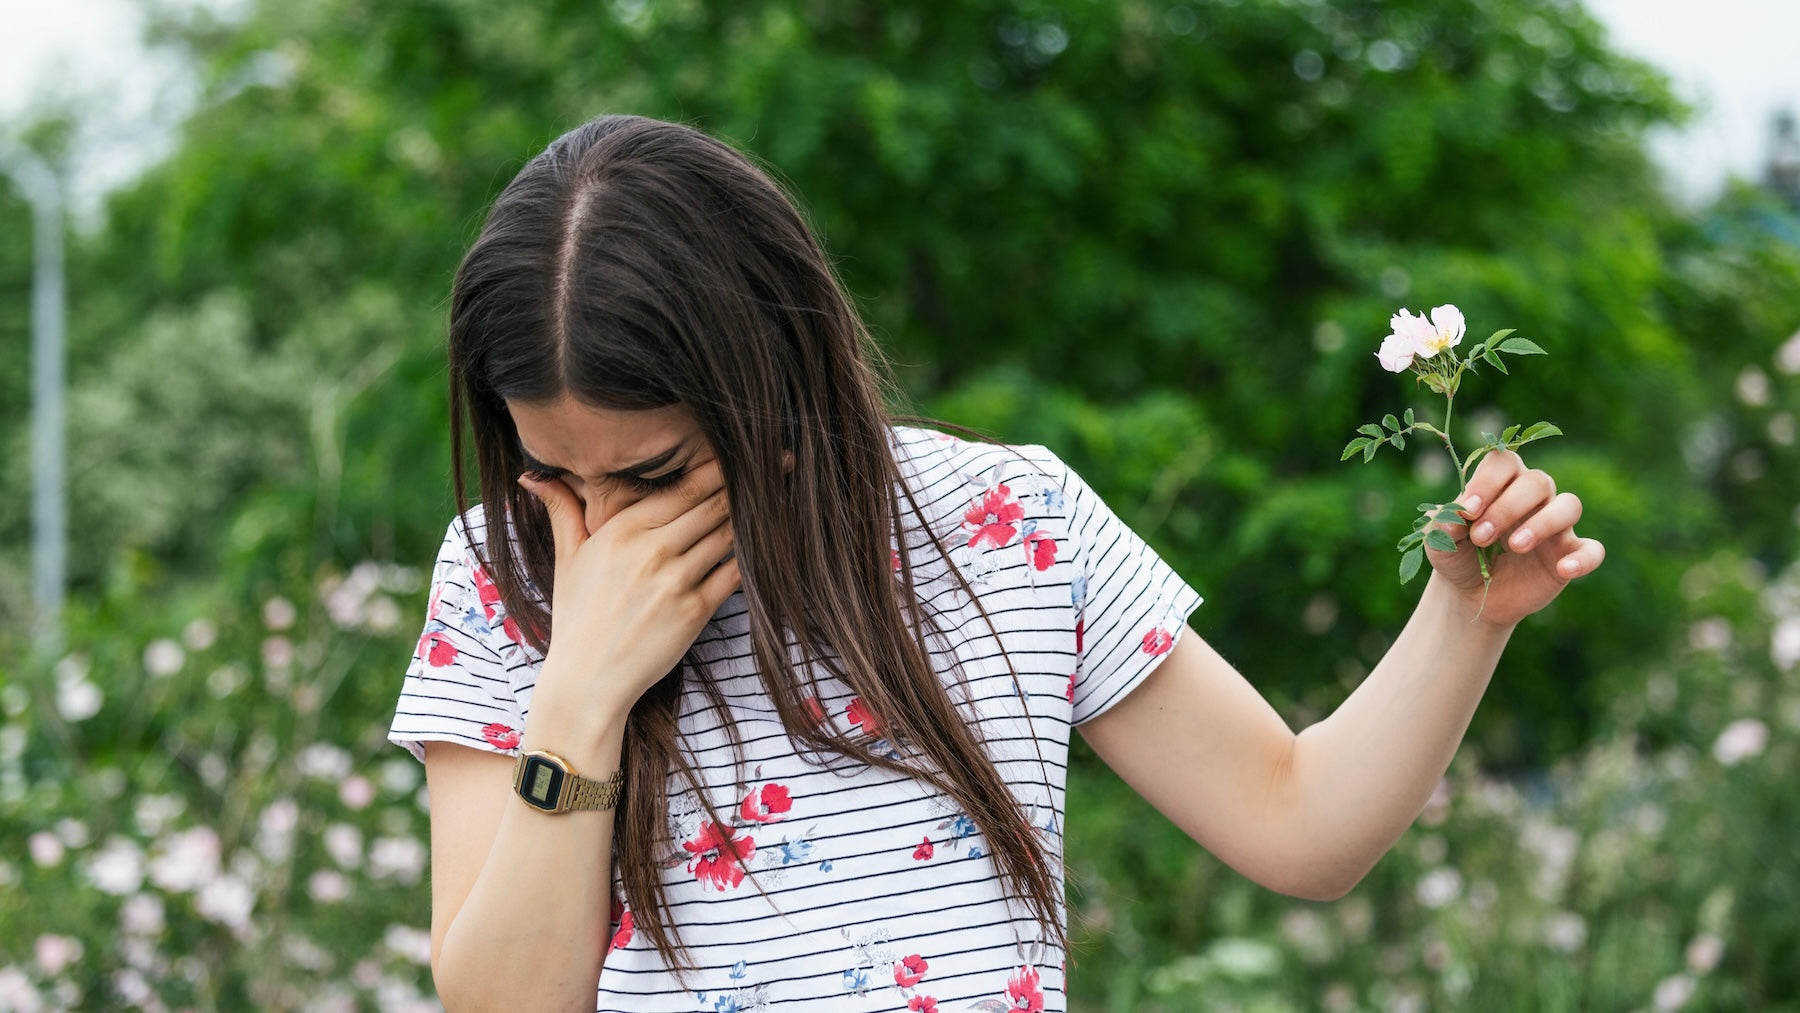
point(1471, 504)
point(1521, 540)
point(1482, 532)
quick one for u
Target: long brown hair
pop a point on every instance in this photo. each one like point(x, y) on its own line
point(636, 264)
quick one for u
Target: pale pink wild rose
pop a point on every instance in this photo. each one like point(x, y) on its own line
point(1420, 336)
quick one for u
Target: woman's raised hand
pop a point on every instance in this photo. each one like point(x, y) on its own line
point(631, 596)
point(1519, 509)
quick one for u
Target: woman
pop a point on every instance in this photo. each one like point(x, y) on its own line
point(818, 755)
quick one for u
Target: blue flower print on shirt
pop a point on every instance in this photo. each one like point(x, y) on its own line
point(856, 980)
point(961, 825)
point(738, 970)
point(793, 852)
point(1078, 589)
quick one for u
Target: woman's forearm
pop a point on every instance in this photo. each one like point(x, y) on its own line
point(1361, 776)
point(532, 933)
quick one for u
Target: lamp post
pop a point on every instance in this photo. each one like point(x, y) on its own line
point(49, 534)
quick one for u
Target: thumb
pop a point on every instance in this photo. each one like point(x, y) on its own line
point(567, 526)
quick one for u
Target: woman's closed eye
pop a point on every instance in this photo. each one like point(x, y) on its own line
point(637, 483)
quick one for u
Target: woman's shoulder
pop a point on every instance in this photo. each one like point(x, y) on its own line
point(933, 459)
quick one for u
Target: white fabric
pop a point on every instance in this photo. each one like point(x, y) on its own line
point(876, 894)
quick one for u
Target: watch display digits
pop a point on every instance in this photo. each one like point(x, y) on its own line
point(548, 783)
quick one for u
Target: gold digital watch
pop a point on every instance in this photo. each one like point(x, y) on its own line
point(546, 781)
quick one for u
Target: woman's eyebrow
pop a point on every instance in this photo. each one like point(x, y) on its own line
point(638, 470)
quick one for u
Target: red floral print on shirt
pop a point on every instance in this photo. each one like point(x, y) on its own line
point(490, 595)
point(922, 1004)
point(435, 647)
point(1071, 692)
point(622, 916)
point(814, 709)
point(500, 736)
point(1080, 632)
point(857, 714)
point(992, 518)
point(719, 855)
point(1040, 550)
point(1022, 990)
point(765, 804)
point(910, 971)
point(923, 852)
point(1158, 641)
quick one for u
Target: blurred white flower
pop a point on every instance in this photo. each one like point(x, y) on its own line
point(366, 973)
point(226, 679)
point(1307, 932)
point(356, 792)
point(327, 886)
point(1556, 847)
point(323, 761)
point(227, 900)
point(1741, 740)
point(1784, 643)
point(141, 915)
point(394, 994)
point(275, 830)
point(187, 860)
point(279, 613)
point(78, 699)
point(399, 776)
point(1753, 386)
point(1439, 887)
point(46, 848)
point(56, 952)
point(409, 943)
point(117, 868)
point(397, 858)
point(1437, 807)
point(73, 832)
point(303, 952)
point(199, 634)
point(383, 615)
point(1673, 992)
point(154, 813)
point(163, 657)
point(277, 652)
point(332, 999)
point(1565, 931)
point(1787, 357)
point(130, 984)
point(1712, 633)
point(17, 993)
point(343, 843)
point(1703, 953)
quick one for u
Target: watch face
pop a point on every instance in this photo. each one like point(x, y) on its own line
point(542, 783)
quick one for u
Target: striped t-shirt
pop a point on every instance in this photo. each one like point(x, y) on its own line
point(876, 893)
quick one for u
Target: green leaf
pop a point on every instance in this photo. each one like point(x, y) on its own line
point(1498, 335)
point(1369, 451)
point(1450, 507)
point(1440, 540)
point(1355, 445)
point(1511, 431)
point(1410, 563)
point(1495, 359)
point(1391, 422)
point(1399, 441)
point(1521, 346)
point(1409, 418)
point(1410, 539)
point(1420, 521)
point(1370, 430)
point(1448, 516)
point(1538, 431)
point(1426, 508)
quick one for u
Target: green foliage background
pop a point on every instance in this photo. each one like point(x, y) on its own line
point(1163, 239)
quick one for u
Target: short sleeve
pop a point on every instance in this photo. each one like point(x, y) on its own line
point(1130, 605)
point(458, 687)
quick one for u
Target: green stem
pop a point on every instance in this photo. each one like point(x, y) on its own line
point(1455, 458)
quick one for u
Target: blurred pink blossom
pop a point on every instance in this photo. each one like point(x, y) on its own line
point(1673, 992)
point(409, 943)
point(46, 848)
point(141, 915)
point(117, 868)
point(199, 634)
point(1741, 740)
point(17, 993)
point(279, 613)
point(323, 761)
point(327, 886)
point(343, 843)
point(1703, 953)
point(356, 792)
point(1439, 887)
point(1784, 643)
point(399, 858)
point(56, 952)
point(187, 860)
point(227, 900)
point(163, 657)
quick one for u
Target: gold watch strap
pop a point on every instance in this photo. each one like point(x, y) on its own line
point(588, 793)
